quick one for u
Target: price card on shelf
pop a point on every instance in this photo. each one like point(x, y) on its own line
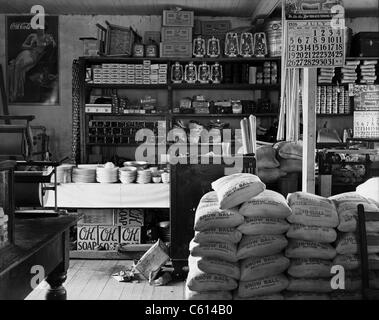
point(314, 44)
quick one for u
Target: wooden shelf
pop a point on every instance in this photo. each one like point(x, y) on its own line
point(334, 115)
point(205, 115)
point(224, 86)
point(126, 86)
point(120, 59)
point(128, 114)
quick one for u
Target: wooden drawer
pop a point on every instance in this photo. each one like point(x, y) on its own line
point(176, 34)
point(176, 50)
point(177, 18)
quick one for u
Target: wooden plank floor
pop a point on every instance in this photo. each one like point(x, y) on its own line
point(92, 280)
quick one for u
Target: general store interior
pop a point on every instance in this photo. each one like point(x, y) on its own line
point(122, 220)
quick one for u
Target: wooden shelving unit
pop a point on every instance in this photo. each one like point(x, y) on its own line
point(170, 88)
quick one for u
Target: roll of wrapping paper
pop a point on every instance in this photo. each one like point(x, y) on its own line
point(245, 136)
point(253, 133)
point(28, 195)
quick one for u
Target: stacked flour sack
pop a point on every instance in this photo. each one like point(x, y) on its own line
point(347, 244)
point(260, 251)
point(311, 234)
point(267, 165)
point(213, 264)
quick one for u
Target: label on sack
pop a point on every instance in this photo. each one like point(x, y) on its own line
point(255, 268)
point(259, 225)
point(310, 268)
point(309, 249)
point(261, 245)
point(265, 286)
point(349, 262)
point(216, 266)
point(226, 251)
point(312, 233)
point(231, 235)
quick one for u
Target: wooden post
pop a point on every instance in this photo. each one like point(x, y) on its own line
point(309, 129)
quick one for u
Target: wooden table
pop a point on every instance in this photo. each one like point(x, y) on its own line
point(41, 251)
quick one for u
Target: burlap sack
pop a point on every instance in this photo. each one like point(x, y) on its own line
point(309, 249)
point(200, 281)
point(260, 246)
point(310, 285)
point(268, 204)
point(262, 287)
point(291, 165)
point(216, 266)
point(270, 175)
point(261, 267)
point(344, 295)
point(272, 297)
point(349, 262)
point(290, 150)
point(348, 243)
point(237, 188)
point(310, 268)
point(207, 295)
point(266, 157)
point(261, 226)
point(217, 250)
point(209, 215)
point(312, 233)
point(312, 210)
point(224, 235)
point(307, 296)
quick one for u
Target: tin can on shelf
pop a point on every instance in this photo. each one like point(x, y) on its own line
point(138, 50)
point(151, 51)
point(273, 30)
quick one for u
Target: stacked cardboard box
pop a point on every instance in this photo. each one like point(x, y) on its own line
point(105, 229)
point(176, 34)
point(115, 73)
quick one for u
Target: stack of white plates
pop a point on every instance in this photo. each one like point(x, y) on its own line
point(128, 174)
point(106, 175)
point(83, 174)
point(144, 176)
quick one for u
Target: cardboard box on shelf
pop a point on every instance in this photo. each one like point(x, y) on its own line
point(130, 235)
point(176, 34)
point(178, 18)
point(108, 237)
point(176, 50)
point(87, 237)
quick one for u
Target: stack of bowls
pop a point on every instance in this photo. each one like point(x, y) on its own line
point(84, 174)
point(144, 176)
point(137, 164)
point(128, 174)
point(106, 175)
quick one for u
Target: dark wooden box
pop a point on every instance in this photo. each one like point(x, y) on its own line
point(365, 44)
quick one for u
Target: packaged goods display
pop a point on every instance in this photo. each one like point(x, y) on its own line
point(122, 73)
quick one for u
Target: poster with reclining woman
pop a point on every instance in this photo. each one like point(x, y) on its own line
point(32, 61)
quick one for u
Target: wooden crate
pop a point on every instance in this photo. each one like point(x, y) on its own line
point(129, 217)
point(176, 34)
point(130, 235)
point(87, 237)
point(172, 18)
point(176, 50)
point(108, 237)
point(120, 40)
point(217, 27)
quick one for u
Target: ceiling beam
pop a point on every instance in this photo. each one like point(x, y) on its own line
point(264, 9)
